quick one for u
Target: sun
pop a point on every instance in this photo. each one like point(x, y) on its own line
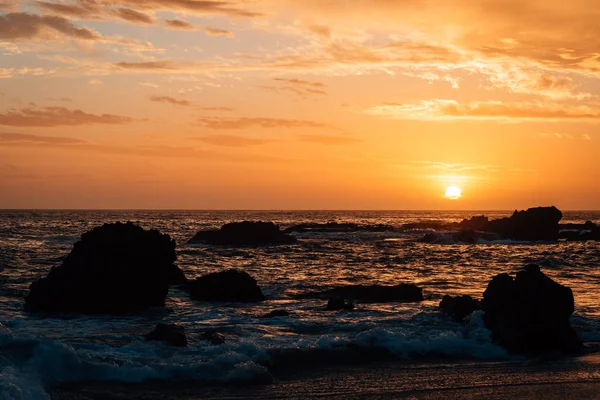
point(453, 192)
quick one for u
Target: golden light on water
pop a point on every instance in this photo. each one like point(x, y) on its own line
point(453, 192)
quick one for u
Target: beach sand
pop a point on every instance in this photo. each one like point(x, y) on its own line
point(573, 378)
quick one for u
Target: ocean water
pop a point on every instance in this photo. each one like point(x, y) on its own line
point(37, 352)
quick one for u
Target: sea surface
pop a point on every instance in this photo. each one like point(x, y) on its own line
point(38, 353)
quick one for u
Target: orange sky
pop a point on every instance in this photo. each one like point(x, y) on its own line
point(312, 104)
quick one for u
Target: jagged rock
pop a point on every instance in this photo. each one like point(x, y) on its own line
point(231, 285)
point(540, 223)
point(530, 314)
point(459, 307)
point(244, 233)
point(172, 334)
point(476, 223)
point(277, 313)
point(215, 338)
point(403, 292)
point(466, 236)
point(114, 268)
point(338, 303)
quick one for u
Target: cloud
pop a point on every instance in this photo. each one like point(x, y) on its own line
point(170, 100)
point(212, 31)
point(301, 82)
point(134, 16)
point(231, 140)
point(179, 24)
point(148, 84)
point(246, 122)
point(22, 138)
point(485, 110)
point(57, 116)
point(95, 82)
point(325, 139)
point(32, 26)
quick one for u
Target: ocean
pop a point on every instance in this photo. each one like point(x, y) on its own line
point(39, 354)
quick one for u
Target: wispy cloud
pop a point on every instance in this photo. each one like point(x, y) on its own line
point(249, 122)
point(231, 140)
point(57, 116)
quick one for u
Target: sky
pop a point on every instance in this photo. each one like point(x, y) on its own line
point(312, 104)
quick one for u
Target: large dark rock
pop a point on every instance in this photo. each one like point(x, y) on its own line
point(579, 232)
point(213, 337)
point(231, 285)
point(245, 233)
point(172, 334)
point(113, 268)
point(459, 307)
point(403, 292)
point(277, 313)
point(540, 223)
point(338, 303)
point(476, 223)
point(530, 314)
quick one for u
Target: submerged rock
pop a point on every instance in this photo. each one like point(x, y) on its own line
point(459, 307)
point(172, 334)
point(114, 268)
point(403, 292)
point(244, 233)
point(530, 314)
point(231, 285)
point(277, 313)
point(215, 338)
point(338, 303)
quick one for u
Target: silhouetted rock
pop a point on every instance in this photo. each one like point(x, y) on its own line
point(113, 268)
point(466, 236)
point(215, 338)
point(403, 292)
point(277, 313)
point(540, 223)
point(476, 223)
point(172, 334)
point(245, 233)
point(579, 232)
point(434, 225)
point(231, 285)
point(337, 303)
point(530, 314)
point(339, 227)
point(459, 307)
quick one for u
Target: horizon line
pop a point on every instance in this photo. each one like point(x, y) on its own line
point(277, 209)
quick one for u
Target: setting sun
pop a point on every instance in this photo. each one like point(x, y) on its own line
point(453, 192)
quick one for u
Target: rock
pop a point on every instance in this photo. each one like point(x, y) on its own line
point(339, 227)
point(476, 223)
point(231, 285)
point(277, 313)
point(172, 334)
point(215, 338)
point(403, 292)
point(114, 268)
point(540, 223)
point(466, 236)
point(430, 237)
point(459, 307)
point(338, 303)
point(244, 233)
point(579, 232)
point(530, 314)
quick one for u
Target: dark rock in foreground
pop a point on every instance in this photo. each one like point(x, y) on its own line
point(459, 307)
point(244, 233)
point(277, 313)
point(114, 268)
point(232, 285)
point(338, 303)
point(213, 337)
point(403, 292)
point(172, 334)
point(530, 314)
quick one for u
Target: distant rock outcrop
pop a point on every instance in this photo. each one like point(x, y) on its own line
point(459, 307)
point(403, 292)
point(232, 285)
point(540, 223)
point(579, 232)
point(530, 314)
point(172, 334)
point(114, 268)
point(338, 227)
point(245, 233)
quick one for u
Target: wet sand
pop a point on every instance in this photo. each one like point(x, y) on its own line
point(575, 378)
